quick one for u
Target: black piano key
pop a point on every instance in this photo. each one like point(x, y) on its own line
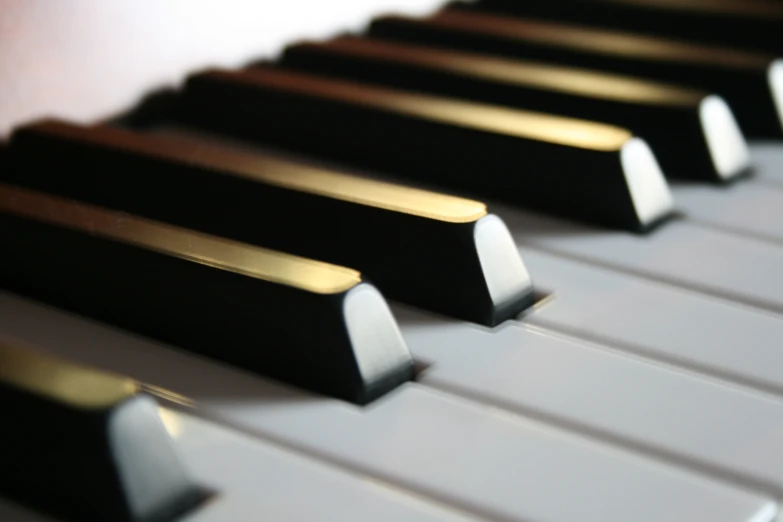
point(82, 445)
point(692, 132)
point(430, 250)
point(752, 83)
point(309, 324)
point(574, 168)
point(748, 24)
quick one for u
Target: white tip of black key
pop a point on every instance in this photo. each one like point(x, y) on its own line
point(377, 342)
point(508, 281)
point(646, 183)
point(725, 141)
point(775, 79)
point(148, 467)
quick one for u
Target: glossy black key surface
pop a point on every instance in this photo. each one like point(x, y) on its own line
point(748, 24)
point(82, 445)
point(692, 132)
point(751, 82)
point(289, 318)
point(574, 168)
point(431, 250)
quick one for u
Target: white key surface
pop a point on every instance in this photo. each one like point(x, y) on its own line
point(743, 207)
point(255, 480)
point(678, 252)
point(462, 453)
point(667, 412)
point(767, 158)
point(658, 321)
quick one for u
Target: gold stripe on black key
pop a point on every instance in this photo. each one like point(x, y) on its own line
point(83, 445)
point(430, 250)
point(574, 168)
point(693, 134)
point(749, 24)
point(752, 83)
point(309, 324)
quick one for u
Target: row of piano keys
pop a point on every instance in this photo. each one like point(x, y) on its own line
point(248, 227)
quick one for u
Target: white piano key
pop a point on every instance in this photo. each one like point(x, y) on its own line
point(253, 479)
point(478, 459)
point(659, 321)
point(678, 252)
point(667, 412)
point(744, 207)
point(767, 159)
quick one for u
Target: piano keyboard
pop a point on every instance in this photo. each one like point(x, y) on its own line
point(504, 261)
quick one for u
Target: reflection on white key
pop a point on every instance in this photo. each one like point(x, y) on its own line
point(659, 321)
point(666, 412)
point(457, 452)
point(723, 264)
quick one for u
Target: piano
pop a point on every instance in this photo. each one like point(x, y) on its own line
point(391, 261)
